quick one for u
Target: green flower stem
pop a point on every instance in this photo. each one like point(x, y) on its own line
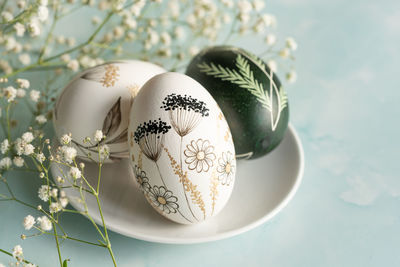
point(10, 254)
point(89, 40)
point(45, 62)
point(57, 244)
point(49, 35)
point(8, 122)
point(88, 215)
point(107, 239)
point(75, 239)
point(3, 5)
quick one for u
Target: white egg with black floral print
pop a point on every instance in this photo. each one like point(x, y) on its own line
point(181, 149)
point(100, 98)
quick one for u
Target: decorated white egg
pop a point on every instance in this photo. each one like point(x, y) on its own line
point(181, 149)
point(100, 99)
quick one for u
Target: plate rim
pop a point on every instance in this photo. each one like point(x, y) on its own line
point(180, 241)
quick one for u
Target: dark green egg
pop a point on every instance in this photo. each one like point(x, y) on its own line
point(249, 94)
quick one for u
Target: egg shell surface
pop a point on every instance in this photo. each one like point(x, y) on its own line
point(249, 94)
point(100, 98)
point(181, 149)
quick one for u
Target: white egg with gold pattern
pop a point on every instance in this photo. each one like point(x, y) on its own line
point(100, 98)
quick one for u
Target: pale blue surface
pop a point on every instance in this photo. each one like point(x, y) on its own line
point(344, 105)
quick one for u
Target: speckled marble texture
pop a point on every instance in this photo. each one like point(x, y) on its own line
point(345, 107)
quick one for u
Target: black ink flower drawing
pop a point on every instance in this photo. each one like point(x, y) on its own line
point(141, 179)
point(150, 138)
point(185, 112)
point(163, 199)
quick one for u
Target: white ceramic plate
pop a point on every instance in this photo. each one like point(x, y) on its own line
point(263, 187)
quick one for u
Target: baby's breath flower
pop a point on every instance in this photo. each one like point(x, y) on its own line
point(269, 20)
point(75, 173)
point(19, 146)
point(55, 207)
point(104, 151)
point(41, 175)
point(44, 223)
point(63, 201)
point(34, 95)
point(73, 65)
point(98, 136)
point(65, 139)
point(7, 16)
point(270, 39)
point(28, 149)
point(41, 119)
point(17, 252)
point(272, 65)
point(65, 58)
point(82, 165)
point(18, 161)
point(193, 50)
point(71, 41)
point(54, 192)
point(5, 163)
point(43, 13)
point(10, 93)
point(19, 29)
point(29, 222)
point(44, 192)
point(166, 38)
point(34, 28)
point(95, 20)
point(60, 180)
point(4, 146)
point(21, 93)
point(21, 4)
point(40, 157)
point(23, 83)
point(179, 32)
point(291, 76)
point(25, 59)
point(284, 53)
point(258, 5)
point(291, 43)
point(28, 137)
point(68, 153)
point(244, 6)
point(118, 32)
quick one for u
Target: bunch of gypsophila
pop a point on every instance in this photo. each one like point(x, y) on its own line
point(32, 45)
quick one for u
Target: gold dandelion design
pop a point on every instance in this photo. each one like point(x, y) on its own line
point(226, 168)
point(245, 79)
point(188, 186)
point(111, 124)
point(199, 155)
point(133, 90)
point(107, 74)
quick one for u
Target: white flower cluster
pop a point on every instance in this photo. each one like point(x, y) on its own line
point(59, 201)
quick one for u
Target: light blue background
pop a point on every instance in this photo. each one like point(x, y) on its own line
point(344, 105)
